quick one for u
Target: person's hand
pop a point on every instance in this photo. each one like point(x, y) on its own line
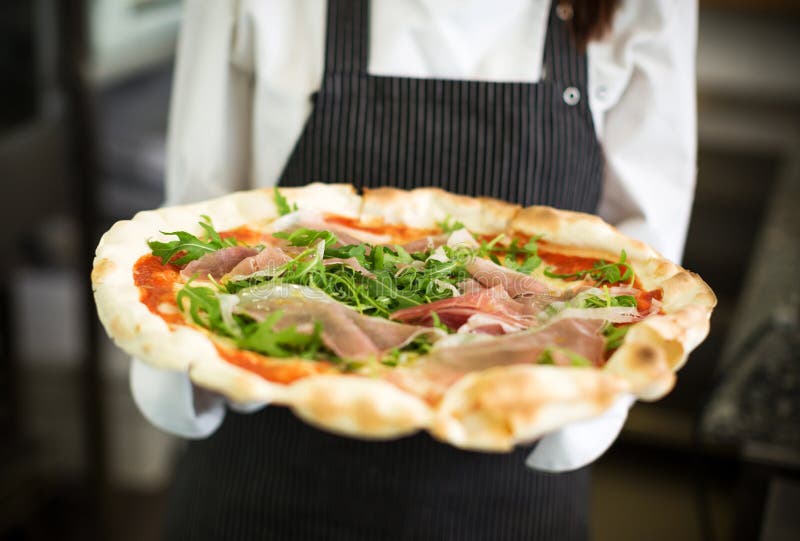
point(580, 443)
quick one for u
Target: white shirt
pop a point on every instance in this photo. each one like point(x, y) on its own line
point(246, 70)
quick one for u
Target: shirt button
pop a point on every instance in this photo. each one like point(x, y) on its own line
point(564, 11)
point(601, 92)
point(572, 95)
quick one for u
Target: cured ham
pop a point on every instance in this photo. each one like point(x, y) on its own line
point(217, 264)
point(351, 262)
point(490, 274)
point(460, 237)
point(456, 311)
point(470, 286)
point(581, 336)
point(447, 364)
point(430, 242)
point(349, 334)
point(312, 220)
point(481, 323)
point(573, 306)
point(270, 258)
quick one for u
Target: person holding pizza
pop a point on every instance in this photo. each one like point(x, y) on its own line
point(581, 105)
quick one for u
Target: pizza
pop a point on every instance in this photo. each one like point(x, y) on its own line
point(380, 314)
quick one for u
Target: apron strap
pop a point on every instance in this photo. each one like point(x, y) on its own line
point(562, 60)
point(347, 37)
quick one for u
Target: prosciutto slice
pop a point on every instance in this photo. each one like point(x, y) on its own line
point(351, 262)
point(570, 306)
point(217, 263)
point(490, 274)
point(347, 333)
point(581, 336)
point(425, 243)
point(270, 258)
point(313, 220)
point(447, 364)
point(456, 311)
point(470, 286)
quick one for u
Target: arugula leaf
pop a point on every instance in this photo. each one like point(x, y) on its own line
point(575, 359)
point(282, 204)
point(377, 259)
point(596, 301)
point(358, 251)
point(189, 247)
point(204, 308)
point(487, 248)
point(524, 259)
point(306, 237)
point(602, 272)
point(437, 323)
point(529, 254)
point(262, 337)
point(396, 356)
point(450, 224)
point(614, 335)
point(402, 255)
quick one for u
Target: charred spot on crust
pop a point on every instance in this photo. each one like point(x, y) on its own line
point(101, 270)
point(645, 356)
point(120, 329)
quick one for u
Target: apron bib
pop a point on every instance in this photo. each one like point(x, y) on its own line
point(267, 475)
point(528, 143)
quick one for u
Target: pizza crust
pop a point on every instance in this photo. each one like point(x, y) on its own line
point(425, 208)
point(497, 408)
point(581, 234)
point(490, 410)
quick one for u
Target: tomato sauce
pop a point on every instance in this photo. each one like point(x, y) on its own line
point(570, 264)
point(247, 235)
point(156, 283)
point(279, 371)
point(156, 286)
point(566, 264)
point(399, 232)
point(644, 299)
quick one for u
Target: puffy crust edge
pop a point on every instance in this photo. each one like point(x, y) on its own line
point(424, 208)
point(654, 349)
point(495, 409)
point(490, 410)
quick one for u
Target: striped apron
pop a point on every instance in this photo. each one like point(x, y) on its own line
point(267, 475)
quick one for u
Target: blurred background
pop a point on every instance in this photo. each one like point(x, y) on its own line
point(83, 116)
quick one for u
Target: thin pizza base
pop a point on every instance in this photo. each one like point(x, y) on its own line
point(490, 410)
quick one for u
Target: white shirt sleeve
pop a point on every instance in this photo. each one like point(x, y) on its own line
point(642, 95)
point(208, 143)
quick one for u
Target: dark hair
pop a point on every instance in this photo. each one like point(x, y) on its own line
point(591, 19)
